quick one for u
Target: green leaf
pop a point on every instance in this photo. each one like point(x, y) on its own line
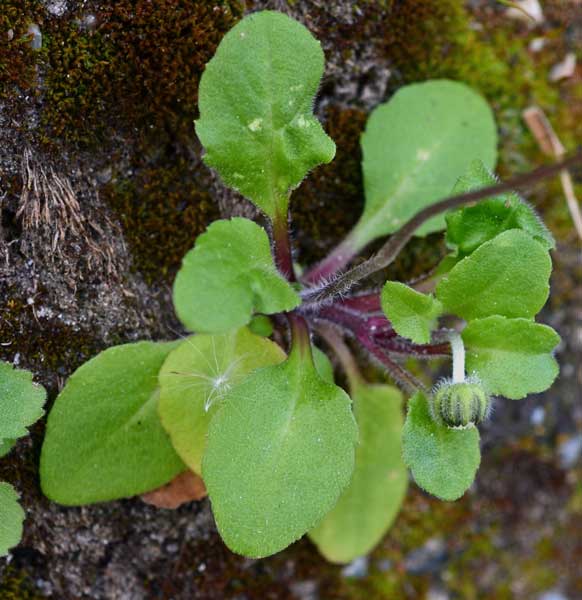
point(195, 378)
point(506, 276)
point(414, 148)
point(512, 357)
point(280, 452)
point(104, 439)
point(443, 461)
point(368, 507)
point(471, 226)
point(6, 446)
point(229, 274)
point(256, 109)
point(412, 314)
point(261, 325)
point(11, 518)
point(322, 364)
point(21, 401)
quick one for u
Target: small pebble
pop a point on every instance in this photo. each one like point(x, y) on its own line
point(538, 415)
point(36, 41)
point(537, 44)
point(570, 451)
point(533, 9)
point(552, 595)
point(564, 69)
point(56, 8)
point(358, 568)
point(427, 559)
point(384, 565)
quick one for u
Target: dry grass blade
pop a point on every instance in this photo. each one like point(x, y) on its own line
point(551, 145)
point(50, 213)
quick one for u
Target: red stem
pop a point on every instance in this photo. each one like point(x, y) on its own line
point(398, 373)
point(283, 252)
point(366, 303)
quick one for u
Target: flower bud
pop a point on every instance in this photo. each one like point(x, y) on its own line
point(460, 405)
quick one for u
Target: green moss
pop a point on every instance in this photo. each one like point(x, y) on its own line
point(162, 209)
point(334, 189)
point(16, 585)
point(129, 65)
point(17, 59)
point(51, 349)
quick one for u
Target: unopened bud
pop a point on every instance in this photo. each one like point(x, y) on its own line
point(460, 405)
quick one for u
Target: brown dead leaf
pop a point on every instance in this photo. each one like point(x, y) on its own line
point(182, 489)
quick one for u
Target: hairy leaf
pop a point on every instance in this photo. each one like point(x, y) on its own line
point(21, 401)
point(11, 518)
point(256, 109)
point(227, 275)
point(369, 505)
point(443, 461)
point(280, 452)
point(261, 325)
point(6, 446)
point(412, 314)
point(415, 146)
point(322, 364)
point(471, 226)
point(513, 357)
point(196, 377)
point(104, 439)
point(506, 276)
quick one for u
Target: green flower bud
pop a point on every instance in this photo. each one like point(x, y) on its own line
point(460, 405)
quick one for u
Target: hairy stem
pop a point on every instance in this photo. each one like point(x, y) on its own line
point(339, 257)
point(392, 248)
point(365, 303)
point(400, 375)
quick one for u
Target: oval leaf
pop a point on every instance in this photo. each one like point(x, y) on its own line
point(443, 461)
point(11, 518)
point(471, 226)
point(280, 452)
point(322, 364)
point(512, 357)
point(195, 378)
point(21, 401)
point(6, 446)
point(367, 508)
point(412, 314)
point(229, 274)
point(104, 439)
point(505, 276)
point(415, 147)
point(256, 109)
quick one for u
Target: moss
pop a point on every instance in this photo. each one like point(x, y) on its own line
point(17, 59)
point(335, 188)
point(51, 349)
point(16, 585)
point(426, 39)
point(162, 209)
point(130, 65)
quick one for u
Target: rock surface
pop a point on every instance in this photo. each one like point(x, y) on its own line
point(99, 120)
